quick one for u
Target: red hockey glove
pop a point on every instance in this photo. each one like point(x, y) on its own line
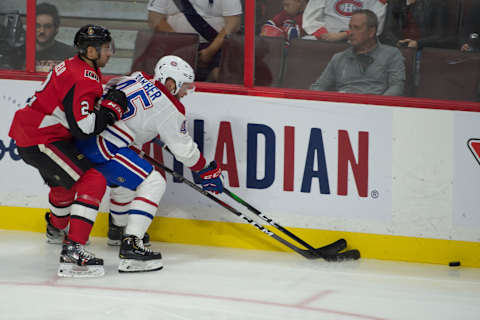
point(115, 101)
point(211, 178)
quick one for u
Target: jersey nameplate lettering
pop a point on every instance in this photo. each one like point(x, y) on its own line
point(152, 91)
point(91, 75)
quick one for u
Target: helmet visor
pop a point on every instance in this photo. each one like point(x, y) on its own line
point(108, 47)
point(186, 88)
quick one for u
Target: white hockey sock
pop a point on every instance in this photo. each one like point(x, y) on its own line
point(137, 225)
point(120, 199)
point(60, 212)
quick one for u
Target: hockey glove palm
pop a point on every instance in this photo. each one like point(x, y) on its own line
point(115, 103)
point(211, 178)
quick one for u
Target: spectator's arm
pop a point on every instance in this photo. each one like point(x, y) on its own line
point(232, 24)
point(313, 18)
point(396, 75)
point(158, 22)
point(326, 81)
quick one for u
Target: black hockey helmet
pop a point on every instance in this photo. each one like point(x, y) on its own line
point(91, 35)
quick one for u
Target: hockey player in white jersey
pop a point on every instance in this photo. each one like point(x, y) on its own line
point(153, 109)
point(328, 19)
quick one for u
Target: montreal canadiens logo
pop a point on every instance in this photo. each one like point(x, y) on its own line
point(347, 7)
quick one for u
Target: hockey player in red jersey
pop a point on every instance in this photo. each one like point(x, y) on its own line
point(153, 109)
point(69, 105)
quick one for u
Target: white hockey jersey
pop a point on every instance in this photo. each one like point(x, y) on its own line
point(334, 15)
point(153, 111)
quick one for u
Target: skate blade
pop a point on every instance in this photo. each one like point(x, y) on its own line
point(132, 265)
point(70, 270)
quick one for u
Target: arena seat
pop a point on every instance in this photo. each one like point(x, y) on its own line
point(149, 47)
point(449, 74)
point(269, 54)
point(306, 60)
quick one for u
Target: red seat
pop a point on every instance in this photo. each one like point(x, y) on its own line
point(268, 60)
point(449, 74)
point(150, 47)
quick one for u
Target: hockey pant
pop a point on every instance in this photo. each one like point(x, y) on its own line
point(76, 188)
point(135, 201)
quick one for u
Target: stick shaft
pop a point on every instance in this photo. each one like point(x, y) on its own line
point(307, 254)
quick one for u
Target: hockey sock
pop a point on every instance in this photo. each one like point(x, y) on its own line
point(90, 189)
point(60, 199)
point(120, 199)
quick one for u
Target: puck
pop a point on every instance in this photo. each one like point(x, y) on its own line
point(454, 264)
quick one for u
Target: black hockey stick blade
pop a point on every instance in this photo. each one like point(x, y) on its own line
point(344, 256)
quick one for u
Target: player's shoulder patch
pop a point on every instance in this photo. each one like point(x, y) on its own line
point(91, 75)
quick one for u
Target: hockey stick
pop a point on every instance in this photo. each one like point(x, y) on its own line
point(322, 252)
point(331, 249)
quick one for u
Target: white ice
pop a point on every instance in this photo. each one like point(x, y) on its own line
point(200, 283)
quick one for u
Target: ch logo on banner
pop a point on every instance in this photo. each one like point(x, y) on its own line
point(11, 149)
point(474, 147)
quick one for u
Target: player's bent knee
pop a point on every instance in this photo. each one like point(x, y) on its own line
point(153, 187)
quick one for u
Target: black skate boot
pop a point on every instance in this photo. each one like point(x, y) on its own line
point(115, 234)
point(54, 235)
point(134, 257)
point(76, 262)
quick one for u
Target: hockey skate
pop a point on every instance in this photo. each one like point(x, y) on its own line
point(134, 257)
point(54, 235)
point(76, 262)
point(115, 234)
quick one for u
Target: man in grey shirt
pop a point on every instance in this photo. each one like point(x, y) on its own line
point(367, 66)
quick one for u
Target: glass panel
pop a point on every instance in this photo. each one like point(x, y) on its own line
point(12, 34)
point(200, 30)
point(402, 62)
point(124, 19)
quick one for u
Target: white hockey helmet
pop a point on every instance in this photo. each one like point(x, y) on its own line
point(177, 69)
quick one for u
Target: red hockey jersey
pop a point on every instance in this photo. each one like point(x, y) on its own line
point(62, 105)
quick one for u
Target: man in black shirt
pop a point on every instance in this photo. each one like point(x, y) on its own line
point(49, 51)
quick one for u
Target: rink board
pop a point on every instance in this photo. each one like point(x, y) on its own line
point(238, 235)
point(397, 183)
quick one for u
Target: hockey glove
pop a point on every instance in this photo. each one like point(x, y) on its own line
point(211, 178)
point(115, 103)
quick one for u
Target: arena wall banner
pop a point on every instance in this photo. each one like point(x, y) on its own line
point(393, 181)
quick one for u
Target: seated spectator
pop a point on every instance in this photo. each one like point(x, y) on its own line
point(212, 20)
point(367, 66)
point(470, 37)
point(328, 19)
point(49, 51)
point(288, 23)
point(416, 23)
